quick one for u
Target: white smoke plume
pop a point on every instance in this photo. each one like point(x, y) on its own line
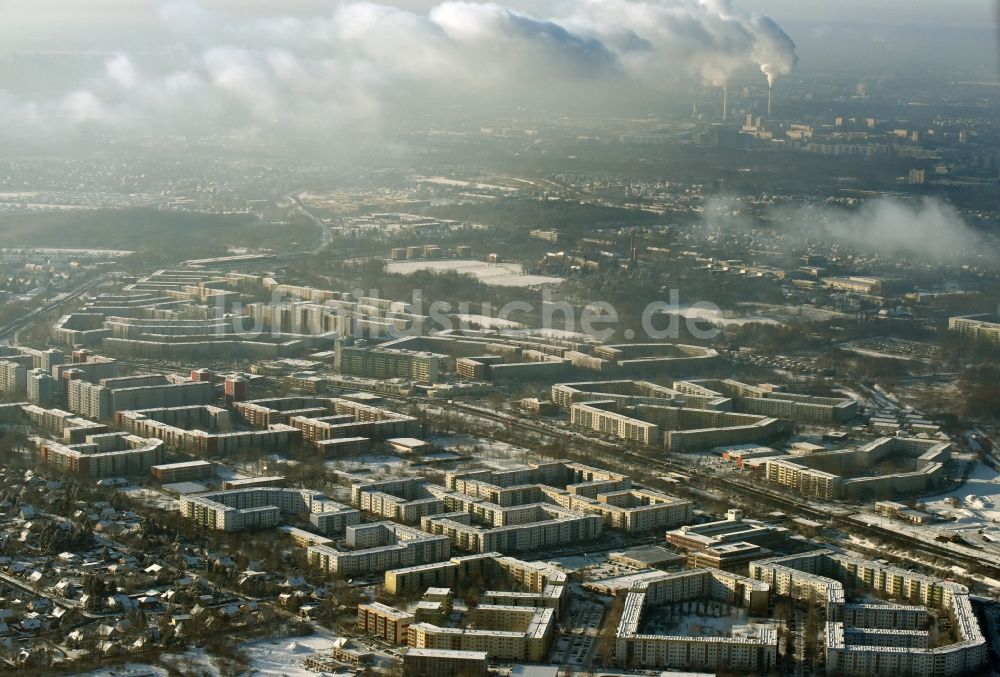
point(928, 230)
point(773, 49)
point(346, 67)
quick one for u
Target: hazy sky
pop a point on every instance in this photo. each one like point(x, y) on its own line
point(302, 66)
point(42, 14)
point(51, 24)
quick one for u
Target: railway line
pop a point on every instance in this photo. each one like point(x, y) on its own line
point(845, 519)
point(11, 329)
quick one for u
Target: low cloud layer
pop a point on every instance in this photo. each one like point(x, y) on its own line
point(297, 74)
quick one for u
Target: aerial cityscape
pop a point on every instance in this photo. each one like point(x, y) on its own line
point(536, 339)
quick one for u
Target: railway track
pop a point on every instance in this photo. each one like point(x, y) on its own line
point(11, 329)
point(786, 502)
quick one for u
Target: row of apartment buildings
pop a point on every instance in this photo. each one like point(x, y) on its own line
point(755, 652)
point(832, 474)
point(878, 639)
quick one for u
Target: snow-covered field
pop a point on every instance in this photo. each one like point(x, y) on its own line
point(720, 318)
point(457, 183)
point(499, 455)
point(977, 501)
point(561, 334)
point(495, 274)
point(281, 657)
point(368, 462)
point(488, 322)
point(792, 313)
point(151, 497)
point(284, 657)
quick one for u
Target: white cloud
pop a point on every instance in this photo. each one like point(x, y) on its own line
point(316, 72)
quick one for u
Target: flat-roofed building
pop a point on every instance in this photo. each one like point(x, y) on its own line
point(753, 651)
point(444, 663)
point(205, 430)
point(867, 648)
point(504, 632)
point(185, 471)
point(101, 400)
point(545, 581)
point(254, 482)
point(252, 508)
point(733, 529)
point(385, 622)
point(632, 510)
point(378, 547)
point(831, 474)
point(984, 328)
point(104, 455)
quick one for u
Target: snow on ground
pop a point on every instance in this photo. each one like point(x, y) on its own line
point(284, 656)
point(487, 322)
point(577, 562)
point(458, 183)
point(193, 662)
point(801, 313)
point(719, 317)
point(151, 497)
point(368, 462)
point(494, 274)
point(562, 334)
point(440, 456)
point(280, 657)
point(127, 670)
point(868, 352)
point(489, 452)
point(978, 499)
point(702, 618)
